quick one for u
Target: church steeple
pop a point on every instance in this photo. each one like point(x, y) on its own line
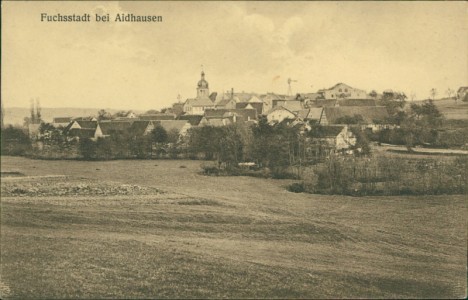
point(202, 87)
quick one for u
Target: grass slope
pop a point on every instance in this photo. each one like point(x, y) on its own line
point(451, 109)
point(219, 237)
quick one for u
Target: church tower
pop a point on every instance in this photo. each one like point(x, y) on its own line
point(202, 87)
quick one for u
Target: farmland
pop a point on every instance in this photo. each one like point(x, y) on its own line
point(159, 229)
point(452, 109)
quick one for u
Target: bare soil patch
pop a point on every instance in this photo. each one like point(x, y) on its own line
point(44, 186)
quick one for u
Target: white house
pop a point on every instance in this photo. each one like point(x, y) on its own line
point(335, 137)
point(343, 91)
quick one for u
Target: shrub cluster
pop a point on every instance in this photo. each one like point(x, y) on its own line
point(390, 176)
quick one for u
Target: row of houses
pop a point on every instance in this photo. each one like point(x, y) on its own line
point(327, 107)
point(93, 129)
point(372, 117)
point(339, 94)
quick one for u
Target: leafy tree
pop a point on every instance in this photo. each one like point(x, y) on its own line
point(362, 141)
point(104, 115)
point(151, 111)
point(140, 147)
point(275, 147)
point(54, 137)
point(14, 141)
point(262, 136)
point(227, 145)
point(122, 114)
point(121, 145)
point(87, 149)
point(27, 121)
point(397, 118)
point(159, 134)
point(428, 112)
point(393, 101)
point(173, 136)
point(46, 127)
point(160, 137)
point(421, 126)
point(104, 148)
point(205, 140)
point(231, 146)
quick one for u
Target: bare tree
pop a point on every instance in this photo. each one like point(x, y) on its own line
point(433, 93)
point(450, 92)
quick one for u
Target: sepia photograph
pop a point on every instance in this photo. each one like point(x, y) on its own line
point(234, 150)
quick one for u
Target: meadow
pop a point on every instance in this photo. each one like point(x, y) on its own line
point(160, 229)
point(452, 109)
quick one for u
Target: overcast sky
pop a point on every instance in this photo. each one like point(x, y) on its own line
point(252, 47)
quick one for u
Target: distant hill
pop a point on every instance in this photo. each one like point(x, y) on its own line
point(16, 115)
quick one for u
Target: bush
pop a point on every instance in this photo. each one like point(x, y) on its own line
point(210, 169)
point(390, 176)
point(14, 141)
point(297, 187)
point(452, 138)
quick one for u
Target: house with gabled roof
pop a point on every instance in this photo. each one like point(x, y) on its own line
point(83, 129)
point(194, 120)
point(462, 93)
point(254, 99)
point(157, 117)
point(245, 114)
point(326, 139)
point(258, 106)
point(89, 118)
point(115, 127)
point(216, 122)
point(280, 113)
point(235, 115)
point(267, 100)
point(313, 114)
point(179, 126)
point(369, 114)
point(215, 113)
point(61, 121)
point(141, 128)
point(356, 102)
point(197, 106)
point(293, 105)
point(228, 103)
point(243, 96)
point(342, 91)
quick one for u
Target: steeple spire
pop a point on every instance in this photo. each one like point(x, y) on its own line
point(202, 86)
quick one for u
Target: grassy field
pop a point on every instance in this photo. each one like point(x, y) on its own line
point(452, 109)
point(177, 234)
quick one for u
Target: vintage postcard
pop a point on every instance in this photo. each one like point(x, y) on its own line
point(233, 149)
